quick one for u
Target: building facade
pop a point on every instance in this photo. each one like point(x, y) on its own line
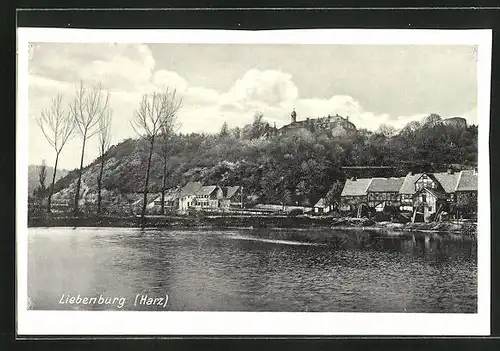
point(354, 194)
point(208, 197)
point(424, 193)
point(187, 195)
point(194, 195)
point(383, 193)
point(233, 197)
point(321, 207)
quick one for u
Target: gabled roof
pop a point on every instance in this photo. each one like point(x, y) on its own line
point(231, 190)
point(408, 186)
point(321, 203)
point(356, 187)
point(467, 181)
point(438, 194)
point(149, 199)
point(447, 180)
point(190, 188)
point(206, 190)
point(384, 185)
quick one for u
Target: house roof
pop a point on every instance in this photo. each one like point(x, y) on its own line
point(150, 197)
point(467, 181)
point(384, 185)
point(190, 188)
point(321, 203)
point(447, 180)
point(408, 186)
point(450, 182)
point(231, 190)
point(438, 194)
point(206, 190)
point(356, 187)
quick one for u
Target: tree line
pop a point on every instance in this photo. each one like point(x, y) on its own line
point(89, 114)
point(295, 167)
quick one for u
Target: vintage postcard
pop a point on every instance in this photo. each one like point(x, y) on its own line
point(293, 182)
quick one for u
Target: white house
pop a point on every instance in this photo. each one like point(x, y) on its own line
point(187, 195)
point(322, 207)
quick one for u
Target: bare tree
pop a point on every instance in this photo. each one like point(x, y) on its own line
point(87, 109)
point(104, 144)
point(57, 126)
point(167, 142)
point(155, 114)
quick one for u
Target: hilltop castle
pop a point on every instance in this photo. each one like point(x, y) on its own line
point(337, 125)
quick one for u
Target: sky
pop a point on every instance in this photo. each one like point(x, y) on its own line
point(372, 84)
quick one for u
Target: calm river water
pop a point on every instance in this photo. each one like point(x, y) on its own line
point(251, 270)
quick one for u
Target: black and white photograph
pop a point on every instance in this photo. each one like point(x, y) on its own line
point(271, 182)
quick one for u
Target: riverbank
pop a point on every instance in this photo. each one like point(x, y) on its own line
point(463, 227)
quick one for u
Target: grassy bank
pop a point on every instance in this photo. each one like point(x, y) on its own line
point(264, 221)
point(185, 221)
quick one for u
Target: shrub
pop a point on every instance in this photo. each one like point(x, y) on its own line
point(295, 212)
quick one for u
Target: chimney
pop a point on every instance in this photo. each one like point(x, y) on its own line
point(354, 179)
point(450, 171)
point(410, 173)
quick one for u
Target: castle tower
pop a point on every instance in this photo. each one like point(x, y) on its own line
point(294, 116)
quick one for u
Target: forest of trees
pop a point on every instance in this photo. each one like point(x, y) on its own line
point(297, 167)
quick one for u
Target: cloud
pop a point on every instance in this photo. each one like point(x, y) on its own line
point(400, 122)
point(164, 78)
point(201, 96)
point(117, 66)
point(270, 86)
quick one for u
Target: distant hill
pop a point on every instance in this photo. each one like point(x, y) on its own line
point(33, 181)
point(290, 165)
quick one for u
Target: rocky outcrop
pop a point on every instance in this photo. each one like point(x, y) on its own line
point(458, 122)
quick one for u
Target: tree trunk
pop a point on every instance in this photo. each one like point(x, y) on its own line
point(164, 182)
point(146, 181)
point(79, 182)
point(53, 182)
point(99, 186)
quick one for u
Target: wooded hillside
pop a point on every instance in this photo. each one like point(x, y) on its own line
point(298, 166)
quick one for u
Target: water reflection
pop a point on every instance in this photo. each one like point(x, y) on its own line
point(255, 270)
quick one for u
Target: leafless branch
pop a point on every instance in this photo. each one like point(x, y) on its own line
point(156, 114)
point(105, 131)
point(56, 124)
point(88, 108)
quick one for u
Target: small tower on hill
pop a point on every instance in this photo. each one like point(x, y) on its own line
point(294, 116)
